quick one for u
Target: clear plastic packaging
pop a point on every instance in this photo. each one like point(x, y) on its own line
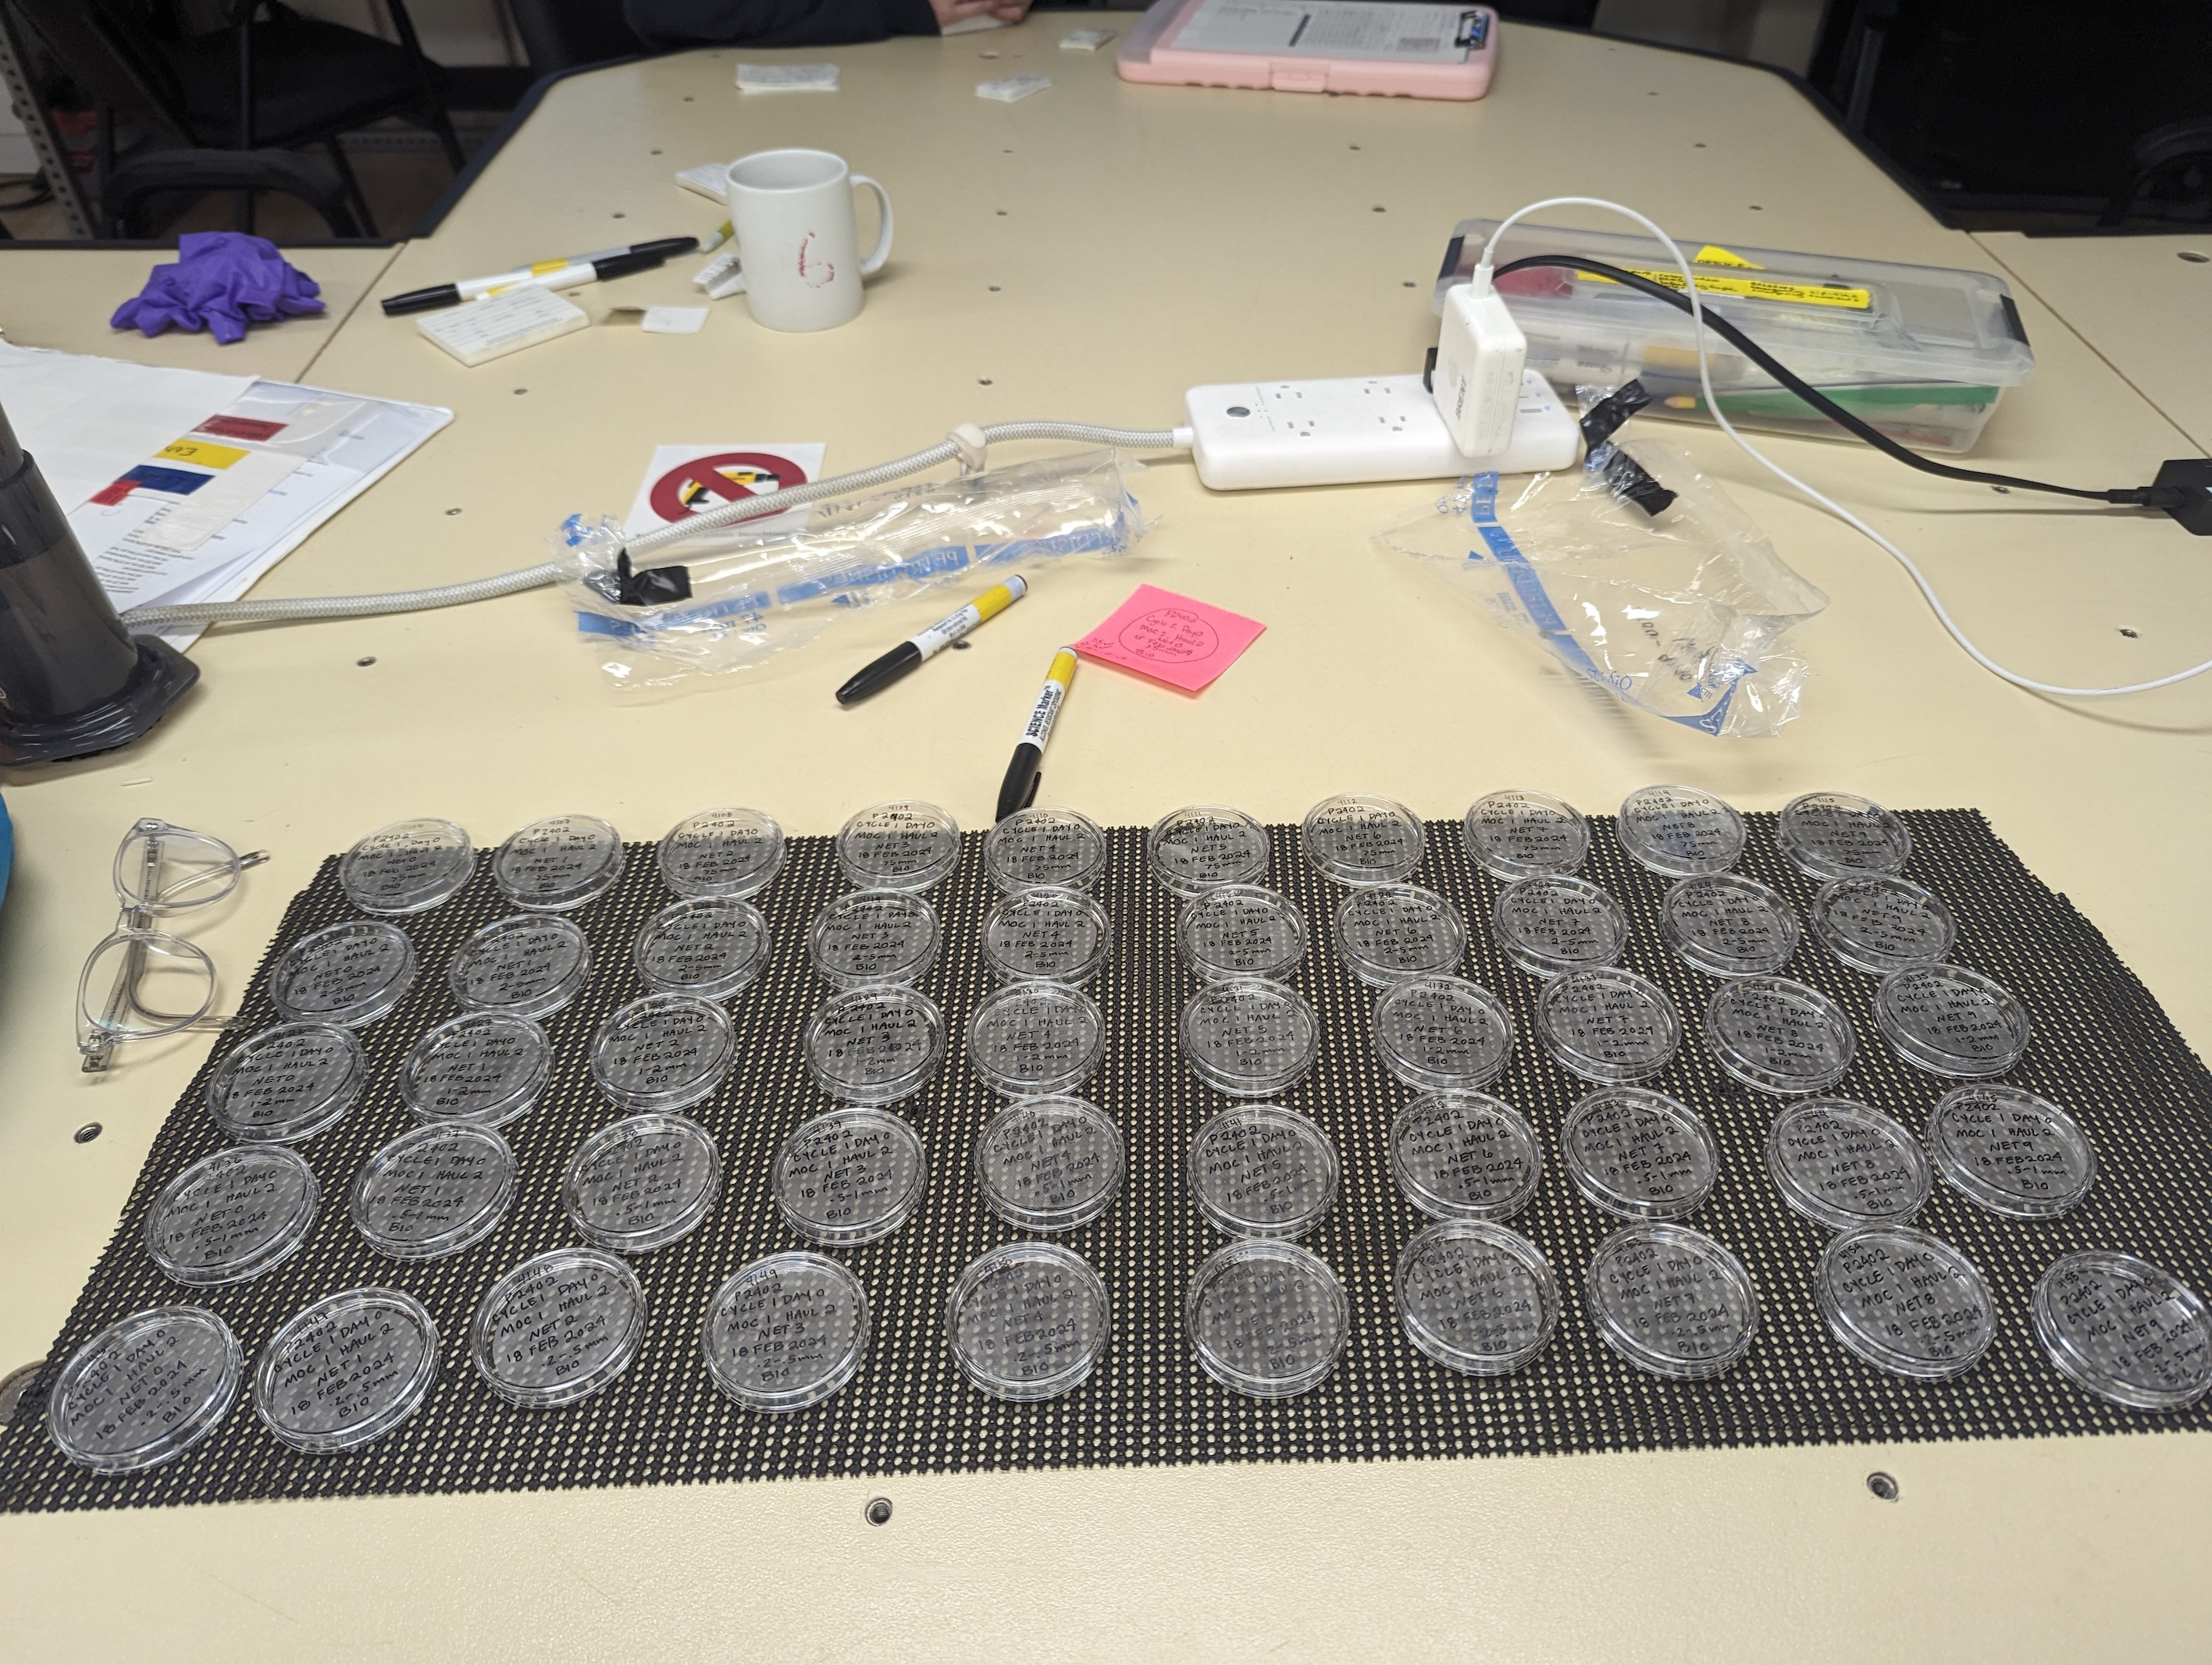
point(527, 966)
point(1844, 1165)
point(663, 1053)
point(1680, 832)
point(434, 1190)
point(788, 1331)
point(1031, 1040)
point(145, 1390)
point(2134, 1335)
point(1609, 1024)
point(642, 1184)
point(1728, 925)
point(1840, 835)
point(1905, 1302)
point(1525, 835)
point(1951, 1022)
point(1671, 1300)
point(904, 845)
point(232, 1215)
point(1465, 1156)
point(1057, 847)
point(1555, 922)
point(721, 853)
point(1205, 845)
point(876, 1045)
point(558, 1328)
point(1387, 933)
point(288, 1083)
point(1267, 1319)
point(1639, 1154)
point(870, 936)
point(2010, 1151)
point(1261, 1171)
point(407, 867)
point(1355, 839)
point(1046, 935)
point(481, 1067)
point(1029, 1321)
point(1250, 1038)
point(1441, 1032)
point(1241, 931)
point(711, 947)
point(1882, 924)
point(1777, 1036)
point(558, 864)
point(347, 1371)
point(1049, 1165)
point(1476, 1297)
point(350, 974)
point(849, 1176)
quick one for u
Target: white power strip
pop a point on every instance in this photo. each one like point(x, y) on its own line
point(1360, 430)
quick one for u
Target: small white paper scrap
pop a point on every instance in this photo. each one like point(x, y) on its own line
point(787, 77)
point(675, 320)
point(723, 265)
point(975, 25)
point(708, 179)
point(1013, 89)
point(479, 330)
point(1086, 40)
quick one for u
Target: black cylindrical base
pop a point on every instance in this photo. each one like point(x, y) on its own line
point(159, 676)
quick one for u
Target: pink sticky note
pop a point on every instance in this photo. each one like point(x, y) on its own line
point(1171, 639)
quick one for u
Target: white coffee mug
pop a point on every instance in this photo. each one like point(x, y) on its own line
point(798, 242)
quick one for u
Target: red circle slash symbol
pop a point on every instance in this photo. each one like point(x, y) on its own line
point(731, 475)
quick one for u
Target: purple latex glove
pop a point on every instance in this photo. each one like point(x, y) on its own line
point(222, 281)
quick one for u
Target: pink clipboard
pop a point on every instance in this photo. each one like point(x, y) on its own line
point(1393, 50)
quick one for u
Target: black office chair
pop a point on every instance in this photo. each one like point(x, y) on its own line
point(566, 34)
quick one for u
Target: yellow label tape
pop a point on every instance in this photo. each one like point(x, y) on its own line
point(1760, 289)
point(201, 451)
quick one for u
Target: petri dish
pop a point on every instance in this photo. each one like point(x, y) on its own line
point(288, 1083)
point(1464, 1156)
point(875, 1046)
point(1359, 840)
point(1057, 847)
point(1476, 1296)
point(1241, 931)
point(870, 936)
point(905, 844)
point(1882, 924)
point(1840, 835)
point(232, 1215)
point(2010, 1151)
point(1525, 835)
point(786, 1332)
point(1029, 1039)
point(2134, 1335)
point(1729, 926)
point(1442, 1032)
point(1671, 1301)
point(350, 974)
point(481, 1067)
point(1028, 1321)
point(558, 1328)
point(663, 1053)
point(642, 1183)
point(1046, 935)
point(1951, 1022)
point(1204, 844)
point(558, 864)
point(145, 1390)
point(1846, 1165)
point(1267, 1319)
point(407, 867)
point(527, 966)
point(849, 1176)
point(1557, 924)
point(1680, 832)
point(1777, 1036)
point(346, 1370)
point(1905, 1302)
point(1639, 1154)
point(1261, 1171)
point(712, 947)
point(1609, 1024)
point(721, 853)
point(1249, 1037)
point(434, 1190)
point(1386, 933)
point(1049, 1165)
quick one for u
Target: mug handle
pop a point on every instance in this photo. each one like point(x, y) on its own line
point(882, 251)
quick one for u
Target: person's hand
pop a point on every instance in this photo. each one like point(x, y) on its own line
point(959, 11)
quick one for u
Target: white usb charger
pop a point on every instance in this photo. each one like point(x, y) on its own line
point(1480, 356)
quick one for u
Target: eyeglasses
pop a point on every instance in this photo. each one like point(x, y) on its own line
point(141, 983)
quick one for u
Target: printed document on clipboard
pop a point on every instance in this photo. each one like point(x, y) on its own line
point(1442, 52)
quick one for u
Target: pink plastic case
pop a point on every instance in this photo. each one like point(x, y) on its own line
point(1315, 46)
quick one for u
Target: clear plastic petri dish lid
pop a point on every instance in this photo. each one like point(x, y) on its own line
point(1609, 1024)
point(1204, 844)
point(558, 864)
point(558, 1328)
point(1557, 924)
point(1387, 933)
point(1671, 1301)
point(1241, 931)
point(788, 1331)
point(288, 1083)
point(1029, 1321)
point(1680, 832)
point(1728, 925)
point(1465, 1156)
point(1882, 924)
point(1476, 1296)
point(875, 1046)
point(2010, 1151)
point(346, 1370)
point(1442, 1032)
point(1359, 840)
point(1057, 847)
point(1840, 835)
point(481, 1067)
point(1780, 1037)
point(1267, 1319)
point(871, 937)
point(712, 946)
point(663, 1053)
point(1046, 935)
point(1030, 1039)
point(1844, 1165)
point(1951, 1022)
point(232, 1215)
point(642, 1183)
point(849, 1176)
point(145, 1390)
point(1049, 1165)
point(1525, 835)
point(434, 1190)
point(1261, 1171)
point(1249, 1037)
point(2132, 1334)
point(407, 867)
point(721, 853)
point(1639, 1153)
point(1905, 1302)
point(527, 966)
point(350, 974)
point(905, 844)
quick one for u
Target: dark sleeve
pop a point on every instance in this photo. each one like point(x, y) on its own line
point(669, 23)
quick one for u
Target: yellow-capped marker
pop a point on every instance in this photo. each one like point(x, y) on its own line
point(1023, 774)
point(880, 674)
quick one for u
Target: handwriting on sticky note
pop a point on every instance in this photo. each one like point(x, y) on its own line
point(1171, 639)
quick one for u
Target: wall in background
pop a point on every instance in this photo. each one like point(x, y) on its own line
point(1780, 32)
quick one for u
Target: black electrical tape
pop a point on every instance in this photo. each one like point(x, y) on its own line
point(1602, 419)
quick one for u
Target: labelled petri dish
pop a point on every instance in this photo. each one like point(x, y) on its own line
point(1049, 1165)
point(145, 1390)
point(232, 1215)
point(1057, 847)
point(350, 974)
point(1476, 1296)
point(1671, 1301)
point(1028, 1321)
point(1029, 1039)
point(1882, 924)
point(1609, 1024)
point(407, 867)
point(870, 936)
point(1639, 1154)
point(712, 947)
point(1729, 926)
point(728, 852)
point(1241, 931)
point(1204, 844)
point(905, 844)
point(1464, 1156)
point(558, 864)
point(2132, 1334)
point(1846, 1165)
point(1680, 832)
point(786, 1332)
point(875, 1046)
point(1951, 1022)
point(1840, 835)
point(527, 966)
point(1442, 1032)
point(1267, 1319)
point(481, 1067)
point(1387, 933)
point(849, 1176)
point(1777, 1036)
point(434, 1190)
point(346, 1370)
point(1046, 935)
point(1525, 835)
point(2010, 1151)
point(1905, 1302)
point(1249, 1037)
point(1557, 924)
point(663, 1053)
point(1261, 1171)
point(288, 1083)
point(642, 1183)
point(1359, 840)
point(558, 1328)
